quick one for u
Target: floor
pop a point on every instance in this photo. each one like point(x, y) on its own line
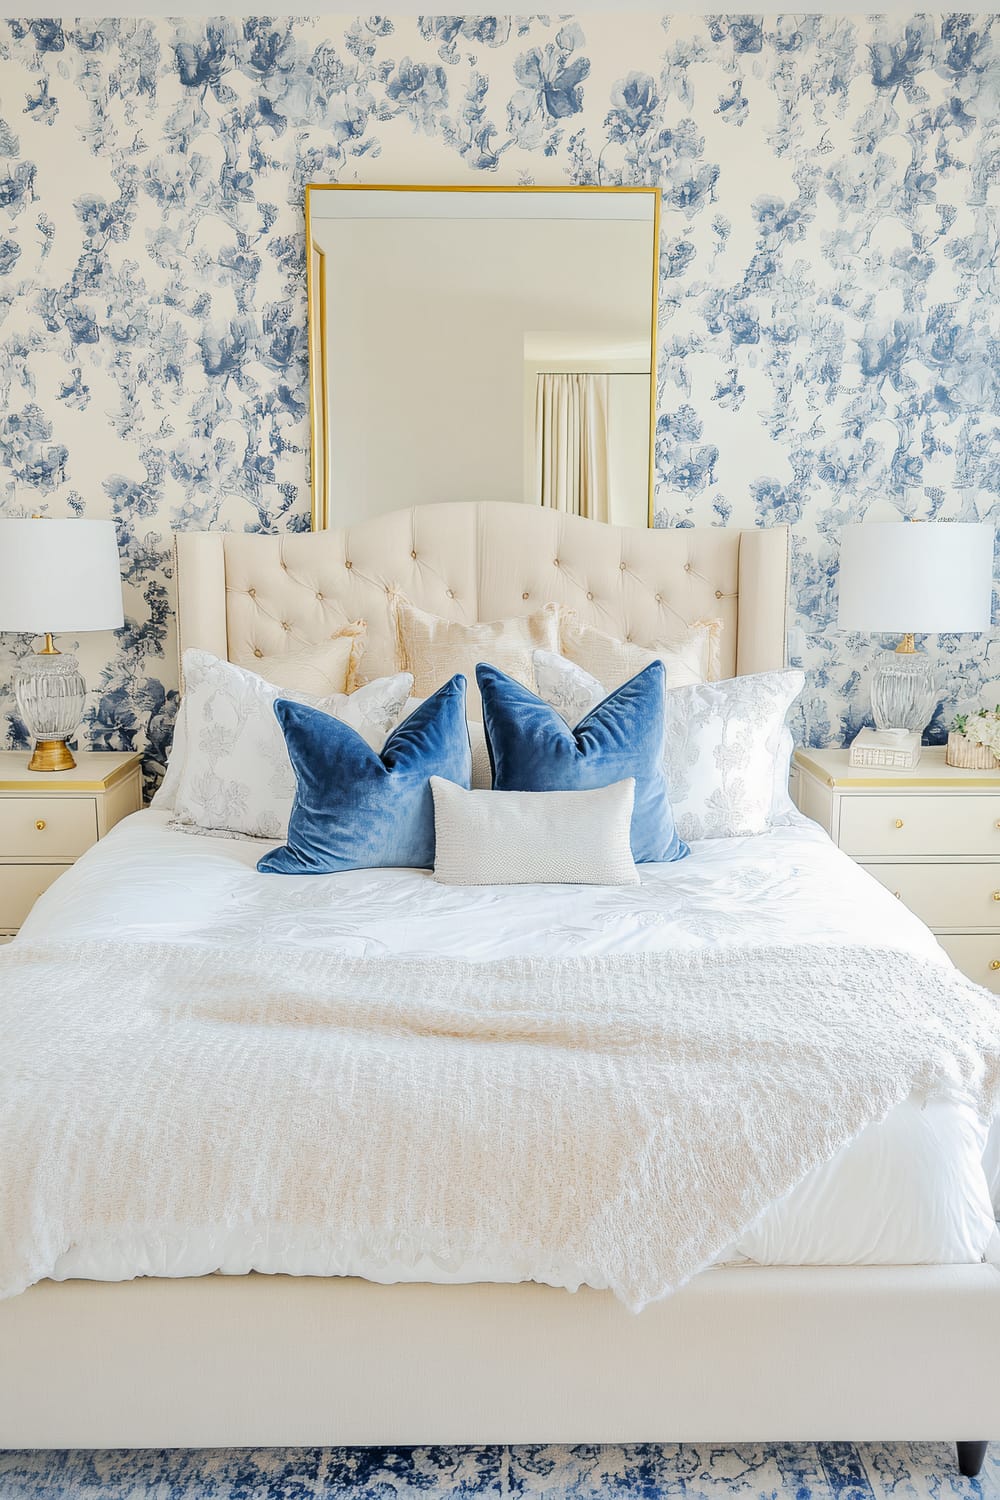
point(798, 1471)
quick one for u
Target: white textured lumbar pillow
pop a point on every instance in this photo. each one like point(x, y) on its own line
point(533, 838)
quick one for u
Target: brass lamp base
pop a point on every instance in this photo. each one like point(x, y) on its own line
point(51, 755)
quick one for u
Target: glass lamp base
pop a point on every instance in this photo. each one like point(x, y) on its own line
point(903, 691)
point(50, 695)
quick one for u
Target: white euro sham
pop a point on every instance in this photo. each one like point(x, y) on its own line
point(233, 776)
point(721, 748)
point(726, 744)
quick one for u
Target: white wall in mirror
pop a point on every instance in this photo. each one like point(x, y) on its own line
point(626, 365)
point(434, 316)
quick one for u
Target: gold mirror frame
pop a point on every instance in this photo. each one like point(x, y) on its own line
point(316, 308)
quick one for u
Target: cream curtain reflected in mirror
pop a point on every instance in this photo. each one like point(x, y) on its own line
point(571, 443)
point(443, 324)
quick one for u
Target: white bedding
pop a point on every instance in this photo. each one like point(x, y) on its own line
point(147, 881)
point(909, 1190)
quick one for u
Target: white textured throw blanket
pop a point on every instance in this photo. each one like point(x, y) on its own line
point(610, 1121)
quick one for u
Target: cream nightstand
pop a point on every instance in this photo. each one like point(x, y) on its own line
point(48, 819)
point(931, 835)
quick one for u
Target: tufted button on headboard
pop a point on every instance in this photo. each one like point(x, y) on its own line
point(243, 595)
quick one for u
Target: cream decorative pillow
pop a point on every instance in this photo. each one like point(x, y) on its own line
point(433, 649)
point(533, 838)
point(235, 777)
point(328, 667)
point(691, 658)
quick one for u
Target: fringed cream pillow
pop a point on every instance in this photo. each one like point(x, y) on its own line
point(433, 649)
point(691, 658)
point(328, 667)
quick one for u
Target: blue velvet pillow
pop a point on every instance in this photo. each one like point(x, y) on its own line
point(356, 809)
point(533, 749)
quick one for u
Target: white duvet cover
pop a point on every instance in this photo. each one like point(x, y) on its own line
point(911, 1189)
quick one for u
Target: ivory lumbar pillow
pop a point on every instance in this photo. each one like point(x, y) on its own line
point(434, 649)
point(533, 838)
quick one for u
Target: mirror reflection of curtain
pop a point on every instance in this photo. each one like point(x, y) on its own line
point(571, 443)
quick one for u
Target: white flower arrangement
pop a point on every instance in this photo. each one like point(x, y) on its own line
point(974, 739)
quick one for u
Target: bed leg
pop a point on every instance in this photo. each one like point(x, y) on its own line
point(970, 1458)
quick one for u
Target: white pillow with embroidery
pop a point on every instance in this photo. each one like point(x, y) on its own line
point(323, 669)
point(234, 778)
point(692, 657)
point(567, 688)
point(726, 745)
point(722, 748)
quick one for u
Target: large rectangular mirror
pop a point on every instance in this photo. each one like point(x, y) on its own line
point(482, 344)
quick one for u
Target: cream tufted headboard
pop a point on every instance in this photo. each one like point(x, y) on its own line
point(241, 595)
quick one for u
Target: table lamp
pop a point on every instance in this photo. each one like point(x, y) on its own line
point(900, 578)
point(56, 575)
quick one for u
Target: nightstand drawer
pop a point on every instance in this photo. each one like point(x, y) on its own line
point(976, 954)
point(20, 888)
point(959, 896)
point(906, 825)
point(47, 827)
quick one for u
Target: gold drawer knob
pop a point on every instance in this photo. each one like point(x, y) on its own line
point(996, 895)
point(995, 964)
point(39, 824)
point(899, 822)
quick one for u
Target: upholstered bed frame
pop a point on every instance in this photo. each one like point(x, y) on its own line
point(740, 1354)
point(242, 595)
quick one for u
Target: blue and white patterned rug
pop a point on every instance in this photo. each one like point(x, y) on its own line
point(771, 1471)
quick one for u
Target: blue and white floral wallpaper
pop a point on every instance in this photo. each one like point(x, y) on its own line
point(829, 318)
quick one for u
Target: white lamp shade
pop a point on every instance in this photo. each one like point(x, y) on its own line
point(59, 575)
point(919, 576)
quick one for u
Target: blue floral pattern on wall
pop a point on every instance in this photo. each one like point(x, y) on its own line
point(829, 310)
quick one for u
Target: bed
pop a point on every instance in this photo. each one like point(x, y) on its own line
point(774, 1342)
